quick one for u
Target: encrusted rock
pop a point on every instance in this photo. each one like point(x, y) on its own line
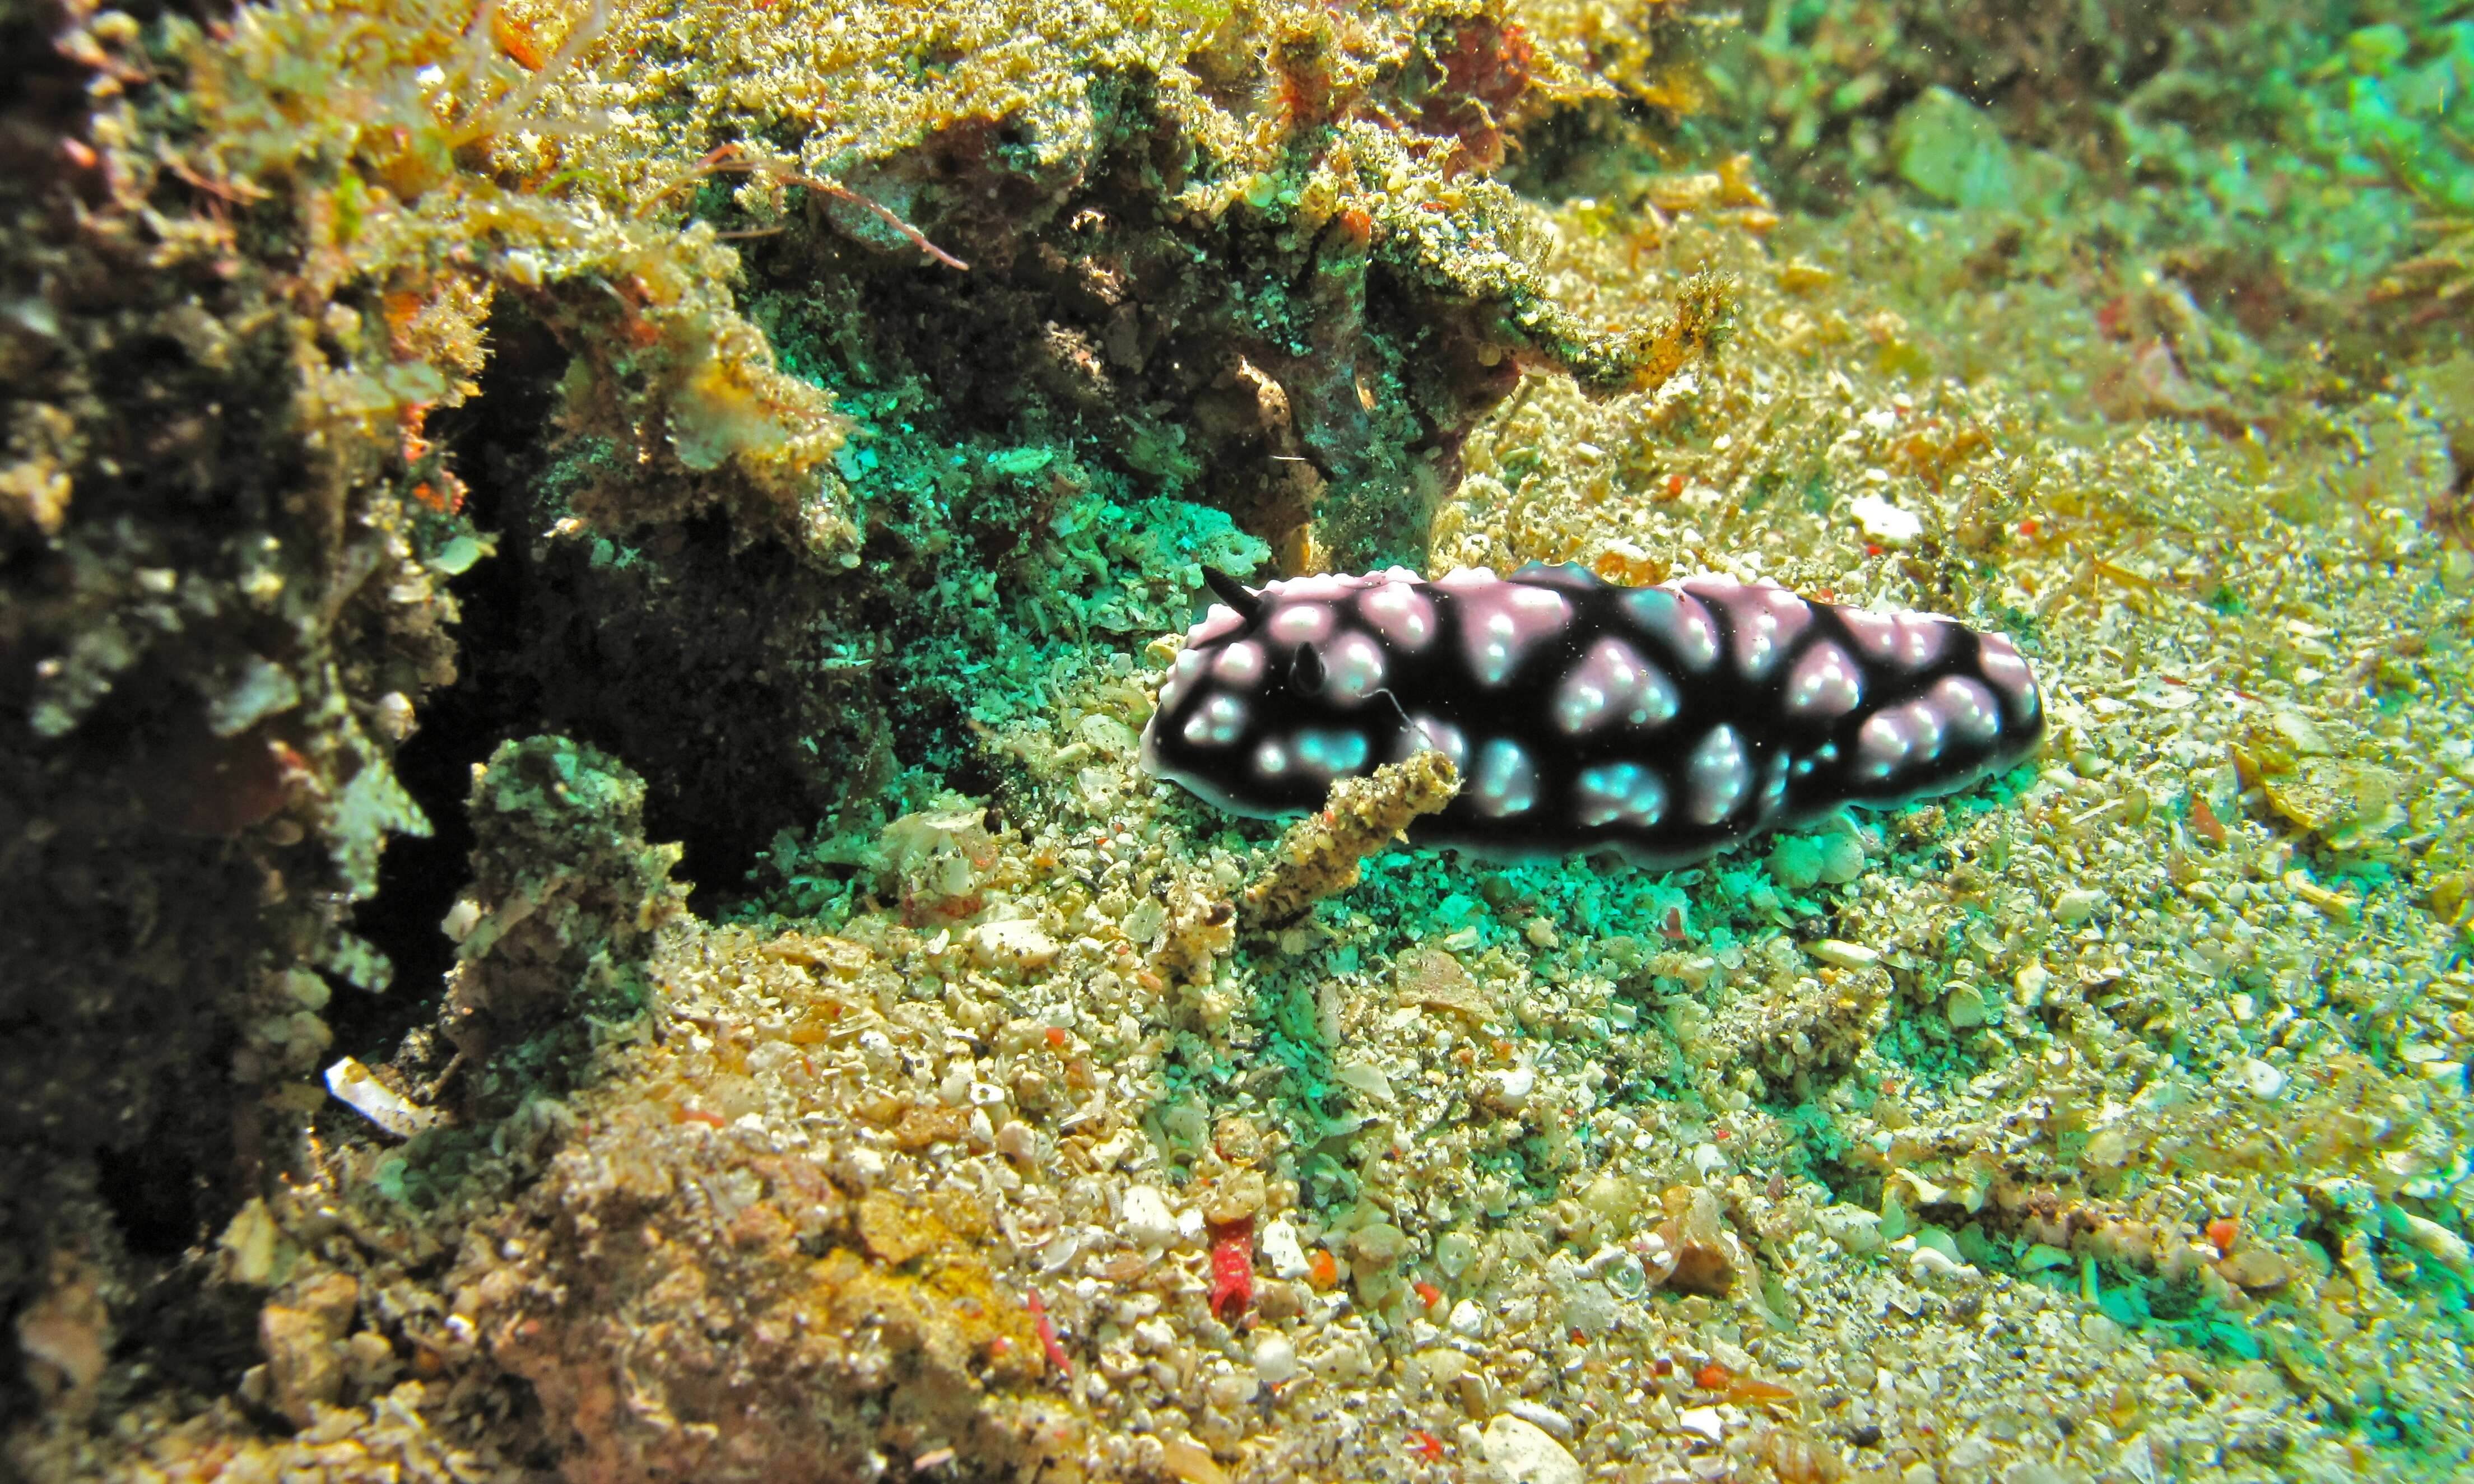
point(1527, 1453)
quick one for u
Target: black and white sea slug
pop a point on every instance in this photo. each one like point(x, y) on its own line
point(1660, 724)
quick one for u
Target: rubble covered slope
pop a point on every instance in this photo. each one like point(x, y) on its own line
point(582, 581)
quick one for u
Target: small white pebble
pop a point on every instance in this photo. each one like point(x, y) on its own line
point(1283, 1249)
point(352, 1084)
point(1546, 1416)
point(1232, 1390)
point(1843, 955)
point(1513, 1086)
point(1016, 945)
point(1148, 1219)
point(1275, 1359)
point(2440, 1243)
point(1704, 1421)
point(1884, 522)
point(1526, 1453)
point(2077, 906)
point(2261, 1080)
point(1932, 1262)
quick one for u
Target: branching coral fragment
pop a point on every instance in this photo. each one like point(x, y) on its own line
point(1320, 854)
point(728, 158)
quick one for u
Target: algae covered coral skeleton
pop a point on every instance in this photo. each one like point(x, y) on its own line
point(1656, 725)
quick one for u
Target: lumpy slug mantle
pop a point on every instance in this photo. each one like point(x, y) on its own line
point(1659, 724)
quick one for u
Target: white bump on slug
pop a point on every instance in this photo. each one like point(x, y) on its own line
point(1825, 682)
point(1241, 663)
point(1507, 779)
point(1501, 622)
point(1401, 613)
point(1680, 620)
point(1300, 623)
point(1330, 754)
point(1716, 777)
point(1352, 669)
point(1217, 721)
point(1967, 708)
point(1625, 793)
point(1444, 737)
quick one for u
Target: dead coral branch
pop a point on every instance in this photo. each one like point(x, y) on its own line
point(727, 159)
point(1319, 855)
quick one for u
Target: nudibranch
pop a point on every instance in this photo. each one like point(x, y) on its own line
point(1659, 724)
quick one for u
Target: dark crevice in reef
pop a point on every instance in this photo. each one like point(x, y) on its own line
point(157, 1191)
point(493, 439)
point(1289, 372)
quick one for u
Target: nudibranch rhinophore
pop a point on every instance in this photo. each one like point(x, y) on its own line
point(1660, 724)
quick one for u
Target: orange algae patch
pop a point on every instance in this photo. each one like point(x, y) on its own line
point(1750, 1391)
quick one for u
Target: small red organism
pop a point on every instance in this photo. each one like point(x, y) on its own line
point(1232, 1269)
point(1485, 66)
point(2224, 1232)
point(1713, 1376)
point(1045, 1328)
point(1303, 63)
point(1428, 1447)
point(1054, 1035)
point(1427, 1294)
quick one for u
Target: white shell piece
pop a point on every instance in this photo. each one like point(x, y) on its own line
point(352, 1085)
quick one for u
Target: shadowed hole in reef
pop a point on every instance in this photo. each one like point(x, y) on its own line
point(491, 439)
